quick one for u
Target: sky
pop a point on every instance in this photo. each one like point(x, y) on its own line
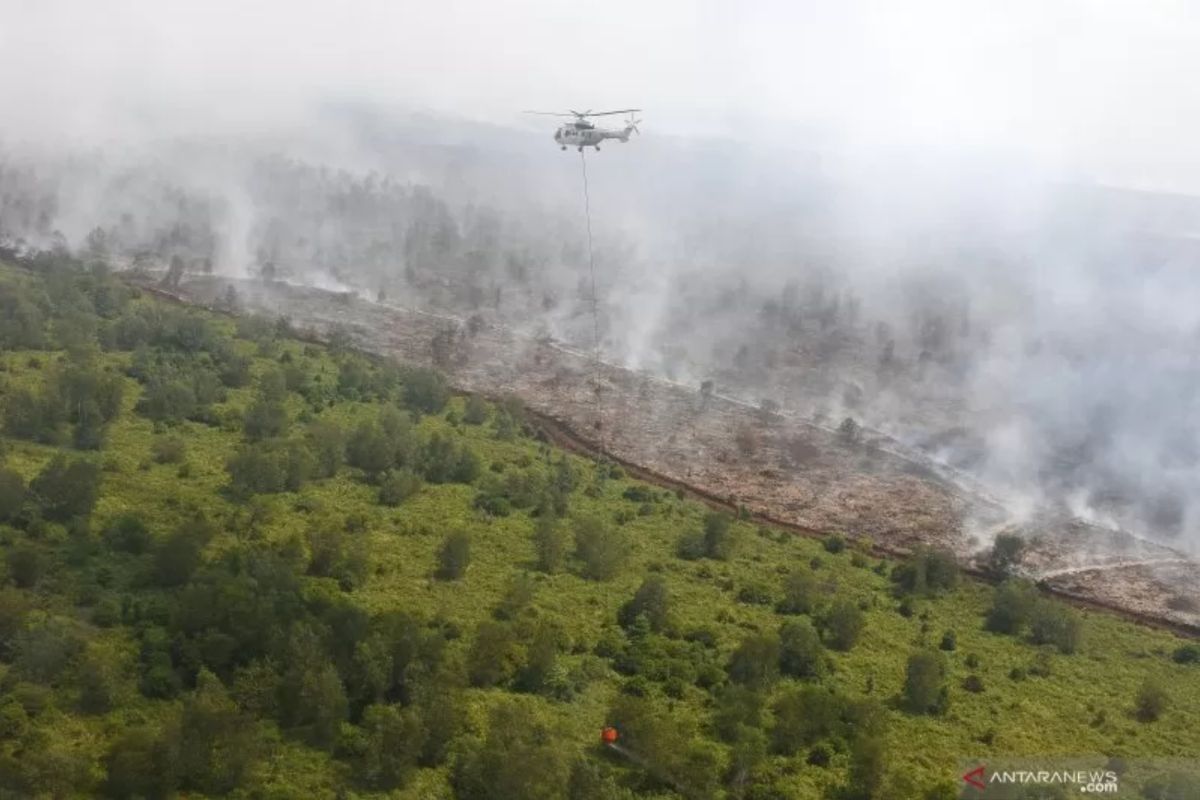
point(1104, 90)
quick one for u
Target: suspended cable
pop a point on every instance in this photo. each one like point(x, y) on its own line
point(587, 213)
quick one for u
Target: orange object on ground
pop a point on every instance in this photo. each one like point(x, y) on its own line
point(608, 735)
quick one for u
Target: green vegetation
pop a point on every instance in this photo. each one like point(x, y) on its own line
point(239, 564)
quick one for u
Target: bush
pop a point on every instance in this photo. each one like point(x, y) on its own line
point(328, 445)
point(454, 556)
point(12, 495)
point(398, 486)
point(834, 543)
point(755, 593)
point(369, 450)
point(804, 717)
point(843, 624)
point(1187, 654)
point(801, 593)
point(1012, 606)
point(800, 652)
point(1151, 701)
point(269, 467)
point(924, 683)
point(1006, 553)
point(168, 450)
point(949, 642)
point(550, 543)
point(755, 662)
point(690, 546)
point(652, 602)
point(718, 535)
point(973, 684)
point(425, 390)
point(265, 420)
point(128, 534)
point(600, 548)
point(927, 571)
point(1054, 623)
point(476, 411)
point(66, 489)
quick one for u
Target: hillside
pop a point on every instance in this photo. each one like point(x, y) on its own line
point(238, 563)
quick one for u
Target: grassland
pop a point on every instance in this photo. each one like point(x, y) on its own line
point(1034, 701)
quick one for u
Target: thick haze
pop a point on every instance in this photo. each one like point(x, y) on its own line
point(1102, 88)
point(965, 224)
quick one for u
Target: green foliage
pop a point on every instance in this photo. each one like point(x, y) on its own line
point(843, 624)
point(1006, 553)
point(476, 410)
point(168, 450)
point(327, 443)
point(755, 662)
point(454, 556)
point(550, 543)
point(280, 465)
point(1056, 624)
point(600, 548)
point(800, 652)
point(398, 486)
point(928, 571)
point(265, 419)
point(425, 390)
point(801, 592)
point(393, 742)
point(924, 683)
point(805, 716)
point(13, 493)
point(66, 488)
point(519, 757)
point(1151, 701)
point(652, 602)
point(1012, 606)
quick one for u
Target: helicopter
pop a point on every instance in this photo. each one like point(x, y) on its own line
point(581, 133)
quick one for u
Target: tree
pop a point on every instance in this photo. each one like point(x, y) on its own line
point(328, 445)
point(216, 741)
point(868, 766)
point(1006, 554)
point(25, 565)
point(179, 555)
point(494, 654)
point(140, 763)
point(398, 486)
point(755, 662)
point(312, 699)
point(928, 571)
point(1012, 606)
point(369, 449)
point(12, 495)
point(476, 410)
point(265, 419)
point(550, 543)
point(66, 489)
point(519, 757)
point(425, 390)
point(800, 652)
point(924, 683)
point(1151, 700)
point(805, 716)
point(454, 556)
point(337, 553)
point(801, 592)
point(393, 740)
point(1054, 623)
point(600, 548)
point(718, 535)
point(651, 601)
point(843, 624)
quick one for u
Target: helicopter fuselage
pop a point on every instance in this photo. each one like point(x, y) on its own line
point(587, 135)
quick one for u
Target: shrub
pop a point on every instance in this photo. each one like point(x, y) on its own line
point(454, 556)
point(398, 486)
point(128, 534)
point(1187, 654)
point(1012, 606)
point(12, 495)
point(369, 450)
point(755, 593)
point(1054, 623)
point(924, 689)
point(652, 602)
point(425, 390)
point(973, 684)
point(476, 411)
point(800, 652)
point(801, 593)
point(690, 546)
point(1006, 553)
point(600, 547)
point(265, 420)
point(804, 717)
point(949, 642)
point(66, 489)
point(550, 543)
point(168, 450)
point(843, 624)
point(1151, 701)
point(927, 571)
point(834, 543)
point(755, 662)
point(328, 445)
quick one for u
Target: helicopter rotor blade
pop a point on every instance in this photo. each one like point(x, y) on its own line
point(608, 113)
point(547, 113)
